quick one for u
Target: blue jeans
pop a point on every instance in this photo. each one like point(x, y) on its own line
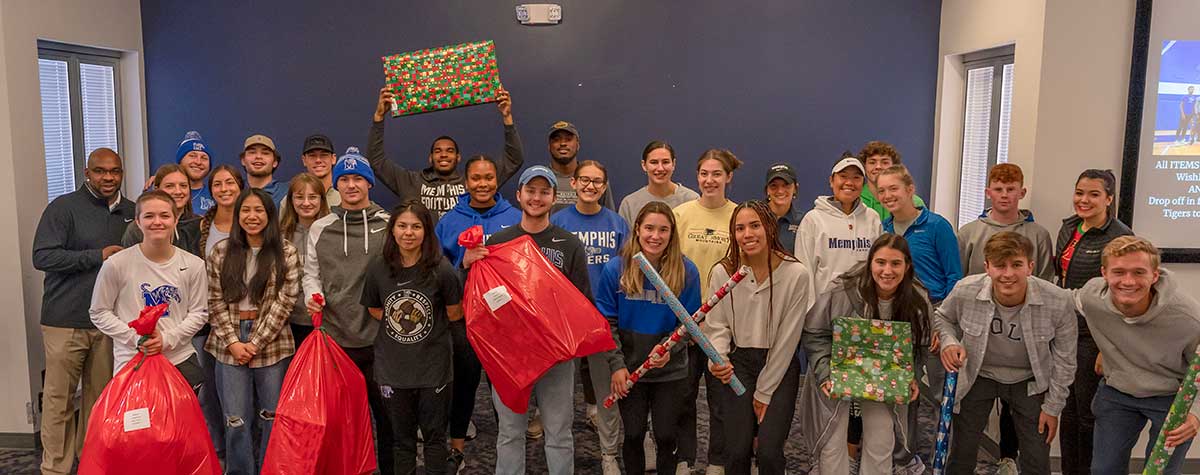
point(555, 393)
point(248, 394)
point(1120, 418)
point(210, 403)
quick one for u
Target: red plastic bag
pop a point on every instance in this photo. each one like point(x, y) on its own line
point(322, 421)
point(524, 316)
point(148, 420)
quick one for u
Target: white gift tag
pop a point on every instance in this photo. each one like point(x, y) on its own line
point(137, 419)
point(497, 297)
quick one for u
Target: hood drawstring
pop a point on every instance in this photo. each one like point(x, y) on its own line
point(346, 239)
point(366, 230)
point(345, 246)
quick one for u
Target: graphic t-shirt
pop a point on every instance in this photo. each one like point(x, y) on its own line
point(413, 345)
point(1006, 360)
point(704, 234)
point(202, 200)
point(602, 235)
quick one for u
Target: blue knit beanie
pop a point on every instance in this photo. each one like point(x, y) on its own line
point(191, 143)
point(353, 163)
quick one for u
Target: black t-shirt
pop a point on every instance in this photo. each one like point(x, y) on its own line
point(413, 347)
point(561, 247)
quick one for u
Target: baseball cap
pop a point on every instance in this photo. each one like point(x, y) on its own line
point(782, 171)
point(848, 162)
point(563, 125)
point(259, 139)
point(535, 172)
point(317, 142)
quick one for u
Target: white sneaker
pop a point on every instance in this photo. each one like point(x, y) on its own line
point(682, 469)
point(1006, 466)
point(714, 470)
point(609, 465)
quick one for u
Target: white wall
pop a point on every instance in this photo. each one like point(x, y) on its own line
point(110, 24)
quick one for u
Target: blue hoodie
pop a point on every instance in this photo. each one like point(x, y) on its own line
point(934, 248)
point(463, 216)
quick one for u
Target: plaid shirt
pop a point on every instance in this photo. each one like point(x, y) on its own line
point(271, 334)
point(1049, 326)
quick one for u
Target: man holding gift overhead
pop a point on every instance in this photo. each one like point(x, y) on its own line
point(1010, 336)
point(439, 185)
point(1147, 329)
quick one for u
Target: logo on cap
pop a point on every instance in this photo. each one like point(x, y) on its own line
point(562, 124)
point(197, 146)
point(351, 163)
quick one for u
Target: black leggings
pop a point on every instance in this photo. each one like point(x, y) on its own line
point(467, 373)
point(410, 409)
point(686, 435)
point(660, 399)
point(740, 422)
point(364, 359)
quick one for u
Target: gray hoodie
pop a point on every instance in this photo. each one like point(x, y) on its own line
point(1148, 355)
point(340, 245)
point(975, 234)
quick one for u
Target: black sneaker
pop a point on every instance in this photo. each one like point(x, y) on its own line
point(455, 462)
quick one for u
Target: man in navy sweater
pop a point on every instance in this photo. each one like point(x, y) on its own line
point(77, 232)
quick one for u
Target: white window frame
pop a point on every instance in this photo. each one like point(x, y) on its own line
point(997, 58)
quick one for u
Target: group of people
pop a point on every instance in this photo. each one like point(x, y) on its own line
point(1084, 337)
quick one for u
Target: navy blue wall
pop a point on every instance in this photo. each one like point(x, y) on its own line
point(792, 80)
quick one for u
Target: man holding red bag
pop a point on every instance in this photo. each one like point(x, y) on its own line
point(555, 390)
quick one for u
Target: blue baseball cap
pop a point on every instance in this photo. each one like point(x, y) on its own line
point(535, 172)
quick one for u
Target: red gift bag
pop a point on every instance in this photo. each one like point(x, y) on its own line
point(148, 420)
point(524, 316)
point(322, 422)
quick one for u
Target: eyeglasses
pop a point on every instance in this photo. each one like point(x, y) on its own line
point(585, 181)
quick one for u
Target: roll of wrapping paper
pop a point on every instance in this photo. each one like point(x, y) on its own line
point(1176, 416)
point(692, 328)
point(664, 346)
point(942, 443)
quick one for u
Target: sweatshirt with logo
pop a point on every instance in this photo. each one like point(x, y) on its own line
point(340, 245)
point(831, 242)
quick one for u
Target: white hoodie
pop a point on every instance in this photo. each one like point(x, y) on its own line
point(831, 242)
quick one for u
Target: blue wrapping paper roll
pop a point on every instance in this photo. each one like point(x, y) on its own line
point(942, 444)
point(692, 328)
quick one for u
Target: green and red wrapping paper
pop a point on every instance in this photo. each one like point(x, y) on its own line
point(872, 360)
point(442, 78)
point(1176, 416)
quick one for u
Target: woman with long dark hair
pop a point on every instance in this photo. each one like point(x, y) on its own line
point(1081, 239)
point(639, 320)
point(253, 282)
point(882, 288)
point(757, 328)
point(415, 293)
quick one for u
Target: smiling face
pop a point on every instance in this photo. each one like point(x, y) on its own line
point(655, 234)
point(196, 164)
point(1010, 277)
point(536, 197)
point(353, 190)
point(444, 156)
point(876, 164)
point(894, 194)
point(1130, 278)
point(225, 188)
point(408, 232)
point(750, 234)
point(712, 178)
point(156, 218)
point(259, 161)
point(1091, 200)
point(319, 162)
point(659, 166)
point(564, 146)
point(176, 185)
point(482, 183)
point(1005, 196)
point(306, 201)
point(846, 184)
point(781, 193)
point(105, 174)
point(252, 215)
point(589, 183)
point(888, 267)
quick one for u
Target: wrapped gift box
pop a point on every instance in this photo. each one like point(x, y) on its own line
point(442, 78)
point(871, 360)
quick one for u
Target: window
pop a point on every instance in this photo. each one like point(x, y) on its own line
point(987, 110)
point(81, 109)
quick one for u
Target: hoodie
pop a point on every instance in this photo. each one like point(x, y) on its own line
point(437, 192)
point(934, 250)
point(831, 242)
point(340, 245)
point(1144, 356)
point(973, 236)
point(463, 216)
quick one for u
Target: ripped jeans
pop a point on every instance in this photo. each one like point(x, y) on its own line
point(248, 396)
